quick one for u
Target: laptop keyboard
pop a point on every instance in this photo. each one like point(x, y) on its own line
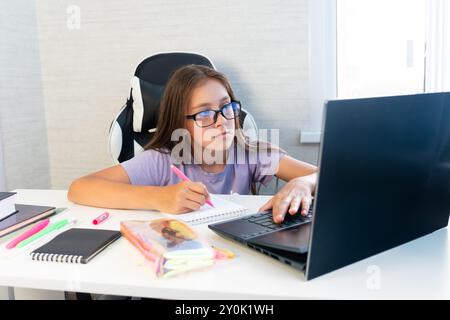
point(265, 220)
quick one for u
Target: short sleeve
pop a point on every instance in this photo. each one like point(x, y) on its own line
point(266, 165)
point(148, 168)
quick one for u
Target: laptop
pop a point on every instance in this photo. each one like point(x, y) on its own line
point(383, 180)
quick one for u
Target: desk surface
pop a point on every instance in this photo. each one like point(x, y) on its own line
point(418, 269)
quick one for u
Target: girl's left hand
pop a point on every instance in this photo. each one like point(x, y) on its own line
point(295, 193)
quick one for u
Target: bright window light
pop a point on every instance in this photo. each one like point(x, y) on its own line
point(380, 47)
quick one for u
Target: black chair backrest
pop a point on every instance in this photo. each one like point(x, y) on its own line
point(157, 69)
point(136, 122)
point(133, 127)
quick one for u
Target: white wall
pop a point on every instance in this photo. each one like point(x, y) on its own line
point(2, 166)
point(261, 45)
point(22, 114)
point(23, 141)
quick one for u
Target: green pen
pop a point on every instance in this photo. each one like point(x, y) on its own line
point(50, 228)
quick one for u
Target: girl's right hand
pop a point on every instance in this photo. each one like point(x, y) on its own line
point(183, 197)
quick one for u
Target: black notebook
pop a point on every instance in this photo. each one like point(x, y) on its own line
point(76, 245)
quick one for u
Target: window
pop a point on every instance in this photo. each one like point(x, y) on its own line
point(437, 67)
point(392, 47)
point(366, 48)
point(380, 47)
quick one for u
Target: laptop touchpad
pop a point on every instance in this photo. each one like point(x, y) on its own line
point(295, 239)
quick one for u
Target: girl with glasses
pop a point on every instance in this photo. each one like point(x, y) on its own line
point(198, 131)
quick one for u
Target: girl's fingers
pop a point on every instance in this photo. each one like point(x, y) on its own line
point(196, 197)
point(295, 204)
point(267, 206)
point(280, 207)
point(306, 203)
point(198, 187)
point(182, 210)
point(191, 205)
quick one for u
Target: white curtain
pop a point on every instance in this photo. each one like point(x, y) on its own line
point(438, 46)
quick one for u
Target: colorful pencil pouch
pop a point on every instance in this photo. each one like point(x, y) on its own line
point(171, 245)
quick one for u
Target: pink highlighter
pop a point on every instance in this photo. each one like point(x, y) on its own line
point(101, 218)
point(184, 178)
point(38, 227)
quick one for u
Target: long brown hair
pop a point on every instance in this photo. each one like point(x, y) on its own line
point(174, 106)
point(175, 100)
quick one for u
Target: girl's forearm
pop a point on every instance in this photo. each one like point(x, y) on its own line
point(104, 193)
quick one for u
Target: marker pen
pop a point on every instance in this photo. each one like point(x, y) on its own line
point(101, 218)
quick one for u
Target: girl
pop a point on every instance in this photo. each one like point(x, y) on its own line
point(198, 103)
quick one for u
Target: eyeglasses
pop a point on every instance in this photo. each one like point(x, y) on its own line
point(207, 118)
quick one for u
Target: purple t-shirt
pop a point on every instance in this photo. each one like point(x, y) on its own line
point(152, 167)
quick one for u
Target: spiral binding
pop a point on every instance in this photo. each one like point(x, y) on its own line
point(218, 216)
point(50, 257)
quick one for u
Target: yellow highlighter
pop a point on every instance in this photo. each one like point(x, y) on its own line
point(226, 252)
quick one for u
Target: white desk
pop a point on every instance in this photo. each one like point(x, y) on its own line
point(419, 269)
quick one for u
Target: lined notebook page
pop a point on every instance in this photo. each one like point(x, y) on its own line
point(223, 210)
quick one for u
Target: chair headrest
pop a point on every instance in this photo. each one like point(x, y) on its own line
point(149, 81)
point(158, 68)
point(146, 98)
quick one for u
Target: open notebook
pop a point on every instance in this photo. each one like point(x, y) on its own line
point(223, 210)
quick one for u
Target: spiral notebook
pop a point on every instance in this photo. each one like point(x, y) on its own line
point(76, 245)
point(223, 210)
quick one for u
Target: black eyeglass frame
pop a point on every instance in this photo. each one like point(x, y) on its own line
point(216, 114)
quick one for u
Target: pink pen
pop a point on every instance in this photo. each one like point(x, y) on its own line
point(101, 218)
point(184, 178)
point(38, 227)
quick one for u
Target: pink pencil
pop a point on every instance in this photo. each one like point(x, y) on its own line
point(184, 178)
point(38, 227)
